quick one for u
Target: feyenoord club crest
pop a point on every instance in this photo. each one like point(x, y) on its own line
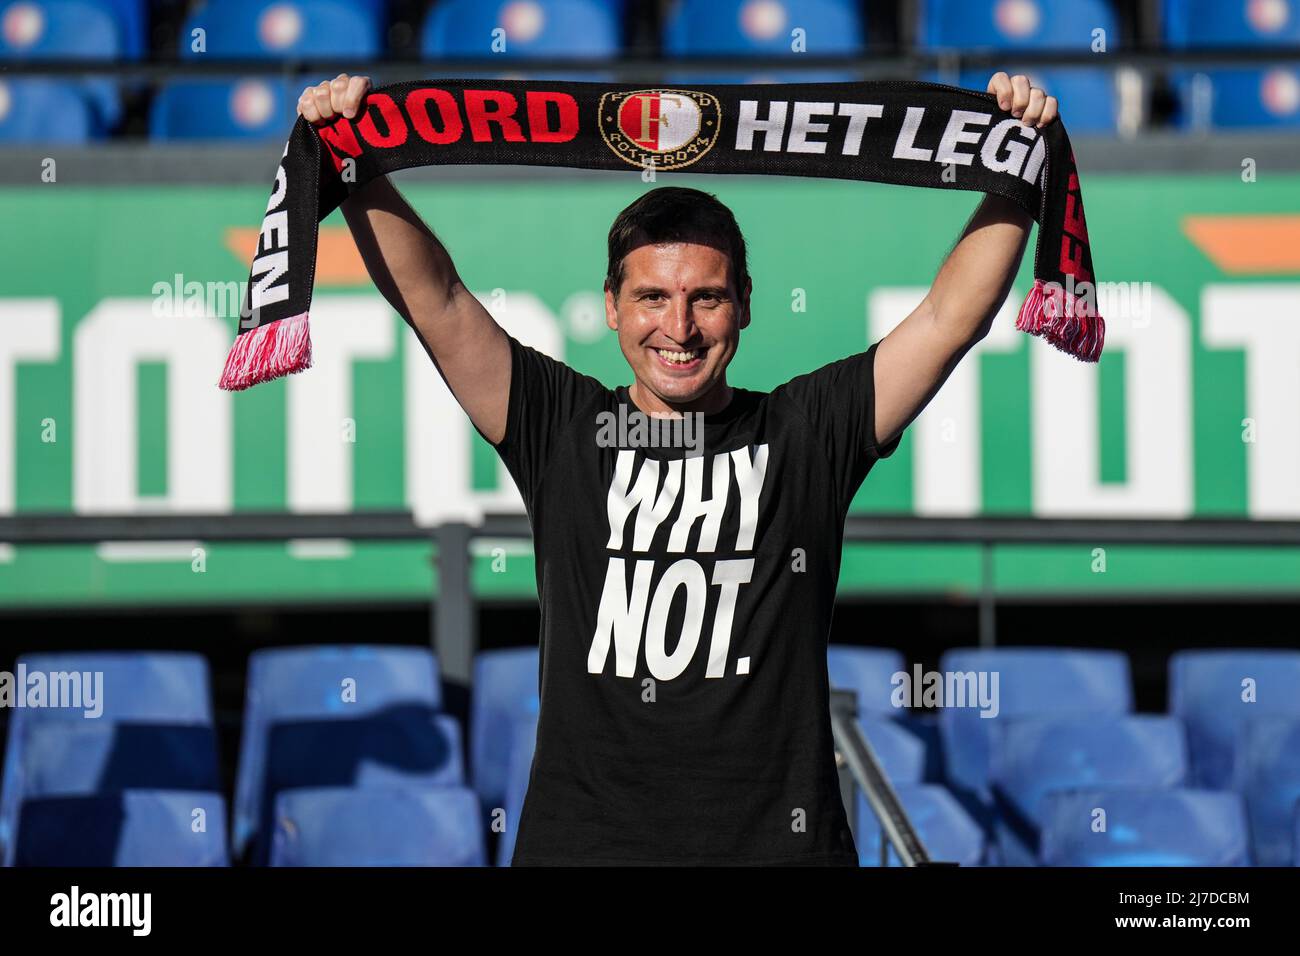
point(660, 129)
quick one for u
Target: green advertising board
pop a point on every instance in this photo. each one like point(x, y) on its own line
point(118, 304)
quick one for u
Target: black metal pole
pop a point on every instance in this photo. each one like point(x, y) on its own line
point(455, 626)
point(988, 607)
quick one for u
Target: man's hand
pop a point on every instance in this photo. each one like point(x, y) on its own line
point(342, 95)
point(1021, 99)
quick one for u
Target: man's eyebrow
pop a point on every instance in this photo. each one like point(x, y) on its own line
point(721, 291)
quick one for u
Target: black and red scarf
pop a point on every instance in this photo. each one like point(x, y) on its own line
point(903, 132)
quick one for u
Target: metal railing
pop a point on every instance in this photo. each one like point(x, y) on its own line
point(859, 766)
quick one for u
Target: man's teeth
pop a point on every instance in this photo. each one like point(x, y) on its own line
point(681, 358)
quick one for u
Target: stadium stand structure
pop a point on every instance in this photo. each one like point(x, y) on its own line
point(688, 38)
point(1234, 98)
point(346, 758)
point(86, 30)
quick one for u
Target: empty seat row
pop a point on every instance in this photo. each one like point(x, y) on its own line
point(331, 734)
point(110, 29)
point(317, 826)
point(1062, 719)
point(1217, 693)
point(317, 720)
point(39, 110)
point(1088, 826)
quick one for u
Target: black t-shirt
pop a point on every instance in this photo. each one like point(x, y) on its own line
point(686, 599)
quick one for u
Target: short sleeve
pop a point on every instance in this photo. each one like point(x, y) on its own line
point(839, 402)
point(545, 398)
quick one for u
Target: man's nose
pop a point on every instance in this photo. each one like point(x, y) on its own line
point(680, 322)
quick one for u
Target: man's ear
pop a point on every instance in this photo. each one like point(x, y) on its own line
point(744, 302)
point(611, 311)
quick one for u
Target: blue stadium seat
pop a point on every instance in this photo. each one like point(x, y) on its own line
point(129, 828)
point(1088, 99)
point(1237, 98)
point(59, 29)
point(1144, 828)
point(251, 109)
point(869, 672)
point(46, 111)
point(532, 28)
point(691, 80)
point(1206, 689)
point(947, 832)
point(523, 738)
point(339, 716)
point(143, 687)
point(338, 826)
point(1016, 24)
point(505, 689)
point(271, 29)
point(67, 759)
point(67, 29)
point(1033, 681)
point(1032, 757)
point(1267, 774)
point(901, 754)
point(133, 25)
point(154, 730)
point(1206, 23)
point(752, 27)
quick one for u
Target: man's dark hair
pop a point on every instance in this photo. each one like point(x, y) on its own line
point(677, 214)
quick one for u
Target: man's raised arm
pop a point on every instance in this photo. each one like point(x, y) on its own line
point(915, 359)
point(414, 272)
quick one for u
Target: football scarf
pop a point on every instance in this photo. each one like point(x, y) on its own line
point(902, 132)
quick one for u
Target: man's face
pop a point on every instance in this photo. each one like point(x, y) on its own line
point(678, 316)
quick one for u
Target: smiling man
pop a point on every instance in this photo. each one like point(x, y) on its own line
point(686, 592)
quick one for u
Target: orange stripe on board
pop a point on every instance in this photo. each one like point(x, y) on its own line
point(1248, 245)
point(337, 260)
